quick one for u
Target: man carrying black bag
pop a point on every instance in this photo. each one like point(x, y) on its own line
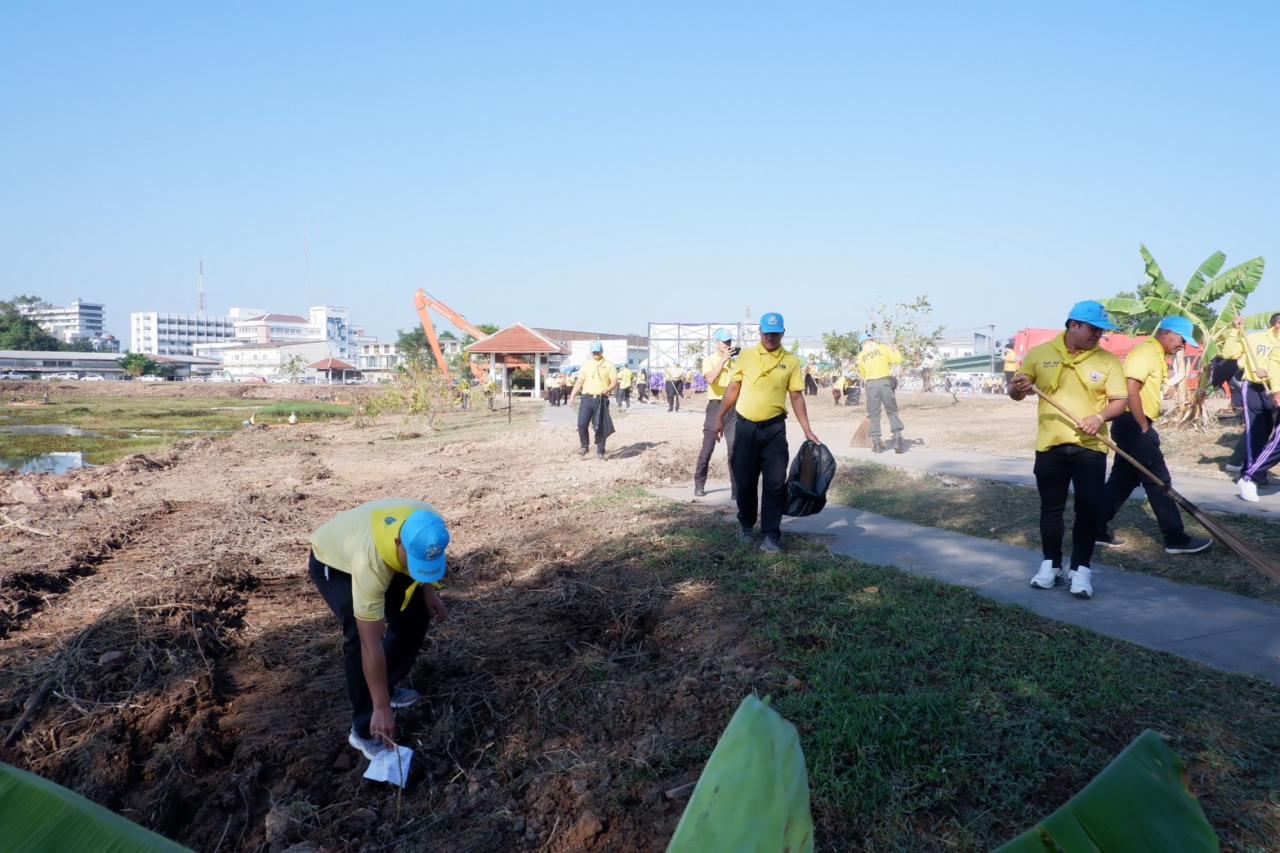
point(765, 379)
point(596, 382)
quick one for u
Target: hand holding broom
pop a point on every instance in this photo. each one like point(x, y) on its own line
point(1254, 557)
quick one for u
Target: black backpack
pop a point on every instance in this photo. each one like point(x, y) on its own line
point(812, 471)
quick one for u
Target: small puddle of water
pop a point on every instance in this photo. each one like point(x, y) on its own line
point(47, 429)
point(47, 463)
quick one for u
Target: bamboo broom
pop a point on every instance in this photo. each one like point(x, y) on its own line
point(1254, 557)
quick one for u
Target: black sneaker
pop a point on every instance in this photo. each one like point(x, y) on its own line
point(1108, 540)
point(771, 545)
point(699, 491)
point(877, 446)
point(582, 451)
point(898, 446)
point(744, 535)
point(1188, 546)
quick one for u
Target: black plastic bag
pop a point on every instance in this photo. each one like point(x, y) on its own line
point(812, 471)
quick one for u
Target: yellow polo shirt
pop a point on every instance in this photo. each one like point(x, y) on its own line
point(1232, 346)
point(597, 376)
point(766, 379)
point(361, 542)
point(1272, 367)
point(1083, 384)
point(1261, 344)
point(1010, 361)
point(876, 360)
point(624, 377)
point(716, 387)
point(1146, 363)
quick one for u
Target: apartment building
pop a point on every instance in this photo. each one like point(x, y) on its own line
point(79, 321)
point(160, 333)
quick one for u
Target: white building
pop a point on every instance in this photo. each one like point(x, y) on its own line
point(158, 333)
point(631, 350)
point(377, 359)
point(323, 323)
point(262, 361)
point(79, 321)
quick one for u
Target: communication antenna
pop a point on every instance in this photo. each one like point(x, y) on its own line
point(200, 303)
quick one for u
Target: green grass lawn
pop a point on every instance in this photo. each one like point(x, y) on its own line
point(932, 718)
point(1011, 514)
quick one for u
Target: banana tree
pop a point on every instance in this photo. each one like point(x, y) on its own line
point(1199, 302)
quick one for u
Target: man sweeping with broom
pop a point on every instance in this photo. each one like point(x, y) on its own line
point(1145, 372)
point(1088, 382)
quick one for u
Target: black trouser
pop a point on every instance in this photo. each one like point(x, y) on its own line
point(406, 630)
point(626, 398)
point(709, 444)
point(587, 416)
point(1221, 370)
point(1057, 470)
point(1262, 449)
point(760, 449)
point(1125, 478)
point(673, 396)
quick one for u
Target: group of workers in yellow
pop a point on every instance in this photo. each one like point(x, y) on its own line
point(379, 566)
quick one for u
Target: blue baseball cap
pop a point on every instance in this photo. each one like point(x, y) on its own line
point(1181, 326)
point(724, 335)
point(1094, 314)
point(771, 324)
point(863, 338)
point(424, 537)
point(596, 346)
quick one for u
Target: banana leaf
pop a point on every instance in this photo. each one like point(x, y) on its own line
point(1207, 270)
point(1124, 305)
point(1239, 279)
point(753, 794)
point(1159, 284)
point(36, 815)
point(1141, 801)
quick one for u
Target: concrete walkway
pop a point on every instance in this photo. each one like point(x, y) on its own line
point(1221, 630)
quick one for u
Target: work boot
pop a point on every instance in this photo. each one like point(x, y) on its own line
point(898, 445)
point(877, 446)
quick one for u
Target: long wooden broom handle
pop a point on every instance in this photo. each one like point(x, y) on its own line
point(1108, 442)
point(1248, 353)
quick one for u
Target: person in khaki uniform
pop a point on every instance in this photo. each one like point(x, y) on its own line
point(1088, 382)
point(716, 369)
point(765, 378)
point(596, 382)
point(1134, 432)
point(876, 362)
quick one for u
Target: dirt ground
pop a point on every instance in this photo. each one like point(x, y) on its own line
point(188, 675)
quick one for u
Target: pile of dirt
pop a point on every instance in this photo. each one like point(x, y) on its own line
point(193, 674)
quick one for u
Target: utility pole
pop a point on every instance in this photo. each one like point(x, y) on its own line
point(200, 303)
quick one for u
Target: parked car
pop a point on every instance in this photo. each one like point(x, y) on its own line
point(94, 377)
point(14, 375)
point(150, 378)
point(66, 374)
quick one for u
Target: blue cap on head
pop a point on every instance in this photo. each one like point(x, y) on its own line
point(1094, 314)
point(863, 338)
point(596, 346)
point(724, 335)
point(771, 324)
point(1182, 326)
point(424, 537)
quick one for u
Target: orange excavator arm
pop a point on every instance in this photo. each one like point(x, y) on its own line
point(424, 303)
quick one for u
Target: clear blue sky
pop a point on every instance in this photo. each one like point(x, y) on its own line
point(601, 165)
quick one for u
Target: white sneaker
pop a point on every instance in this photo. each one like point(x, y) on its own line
point(1082, 582)
point(1048, 577)
point(1248, 490)
point(403, 697)
point(369, 746)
